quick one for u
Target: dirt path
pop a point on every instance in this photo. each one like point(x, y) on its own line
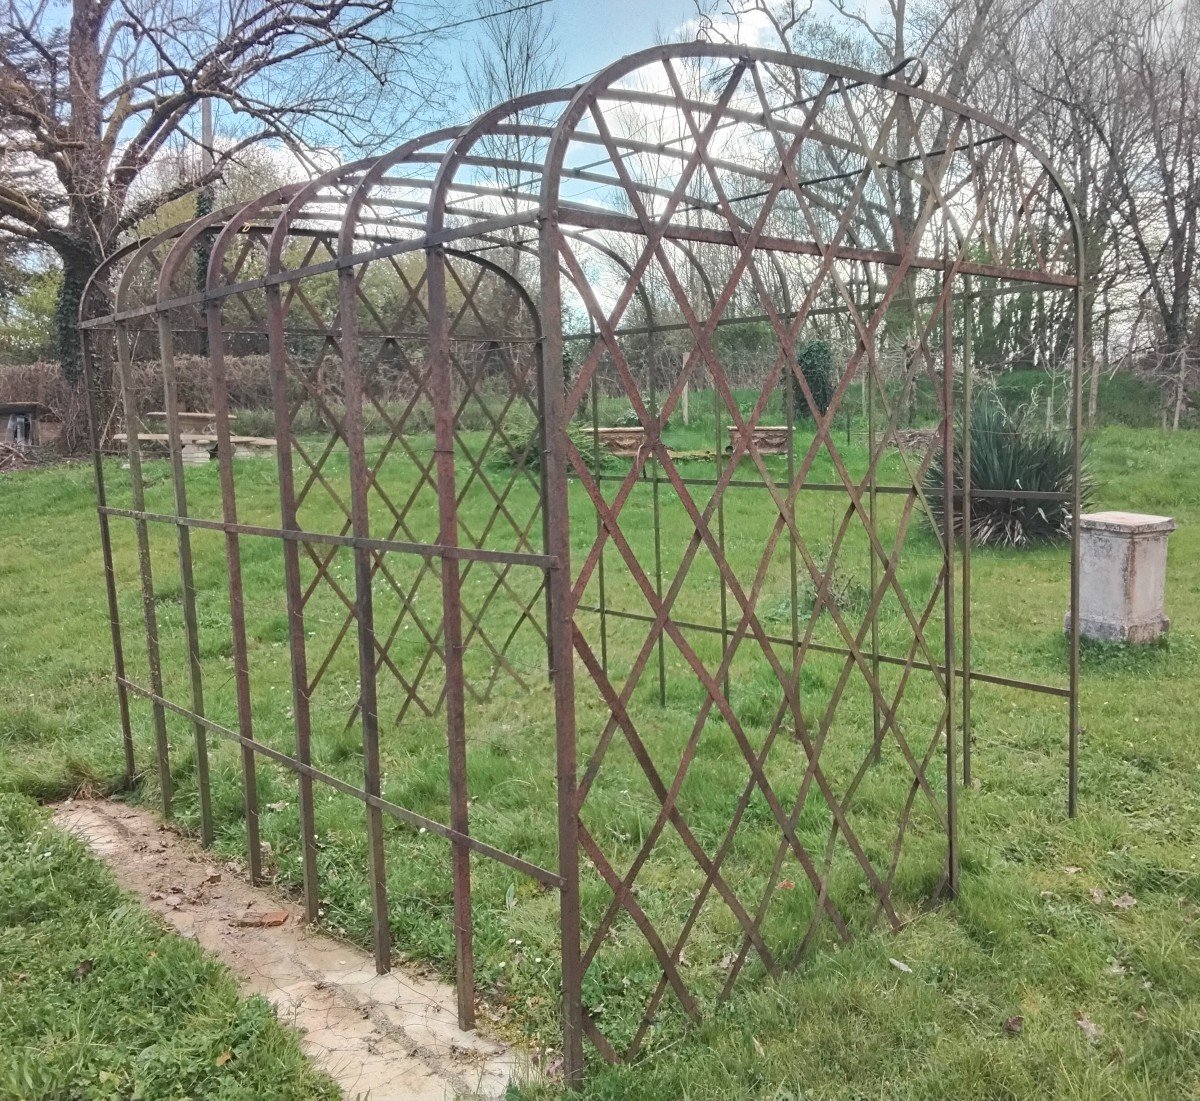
point(387, 1037)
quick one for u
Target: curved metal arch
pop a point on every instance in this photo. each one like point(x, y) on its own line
point(603, 83)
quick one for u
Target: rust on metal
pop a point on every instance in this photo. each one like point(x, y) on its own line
point(480, 350)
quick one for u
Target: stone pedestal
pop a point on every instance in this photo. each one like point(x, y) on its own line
point(1123, 576)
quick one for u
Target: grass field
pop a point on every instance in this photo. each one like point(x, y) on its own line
point(98, 1000)
point(1108, 991)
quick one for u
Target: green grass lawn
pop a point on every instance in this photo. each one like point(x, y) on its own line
point(98, 1000)
point(1034, 934)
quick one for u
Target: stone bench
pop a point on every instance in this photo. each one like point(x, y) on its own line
point(200, 447)
point(769, 439)
point(624, 441)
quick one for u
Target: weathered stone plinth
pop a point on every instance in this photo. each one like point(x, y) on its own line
point(1123, 576)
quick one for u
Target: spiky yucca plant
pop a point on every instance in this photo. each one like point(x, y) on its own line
point(1007, 454)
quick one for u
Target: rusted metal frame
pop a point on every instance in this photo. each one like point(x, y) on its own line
point(1019, 217)
point(441, 379)
point(110, 574)
point(298, 535)
point(642, 920)
point(709, 164)
point(217, 270)
point(968, 302)
point(758, 412)
point(187, 577)
point(620, 223)
point(720, 700)
point(133, 428)
point(663, 622)
point(290, 534)
point(789, 396)
point(872, 381)
point(519, 383)
point(308, 771)
point(622, 886)
point(384, 657)
point(948, 595)
point(399, 524)
point(866, 338)
point(787, 346)
point(889, 722)
point(813, 751)
point(914, 787)
point(323, 563)
point(617, 706)
point(364, 613)
point(652, 233)
point(932, 180)
point(700, 347)
point(1073, 730)
point(663, 149)
point(826, 648)
point(476, 462)
point(656, 504)
point(884, 489)
point(385, 247)
point(649, 313)
point(432, 650)
point(668, 809)
point(602, 594)
point(560, 627)
point(851, 79)
point(295, 291)
point(825, 727)
point(822, 896)
point(814, 572)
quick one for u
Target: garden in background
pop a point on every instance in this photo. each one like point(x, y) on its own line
point(1066, 968)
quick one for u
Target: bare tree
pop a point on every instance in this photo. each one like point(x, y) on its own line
point(93, 92)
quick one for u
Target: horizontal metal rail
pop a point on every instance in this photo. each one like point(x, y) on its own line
point(402, 814)
point(841, 651)
point(424, 550)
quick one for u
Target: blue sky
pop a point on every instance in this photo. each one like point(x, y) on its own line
point(592, 33)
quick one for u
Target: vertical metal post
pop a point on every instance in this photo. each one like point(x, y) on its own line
point(166, 349)
point(789, 396)
point(720, 465)
point(658, 570)
point(360, 518)
point(597, 459)
point(110, 573)
point(1076, 508)
point(237, 600)
point(872, 378)
point(133, 427)
point(561, 628)
point(294, 594)
point(948, 597)
point(968, 301)
point(441, 386)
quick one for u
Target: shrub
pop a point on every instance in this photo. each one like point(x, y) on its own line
point(815, 359)
point(522, 446)
point(1007, 454)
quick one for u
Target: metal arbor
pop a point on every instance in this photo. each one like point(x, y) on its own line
point(440, 333)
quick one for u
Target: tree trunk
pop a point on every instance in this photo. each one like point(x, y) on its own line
point(78, 265)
